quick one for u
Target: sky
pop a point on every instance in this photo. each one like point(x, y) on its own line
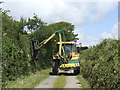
point(94, 20)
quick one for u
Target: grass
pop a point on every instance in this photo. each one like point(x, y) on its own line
point(60, 82)
point(83, 82)
point(29, 81)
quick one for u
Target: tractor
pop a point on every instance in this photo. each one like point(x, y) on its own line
point(69, 59)
point(65, 57)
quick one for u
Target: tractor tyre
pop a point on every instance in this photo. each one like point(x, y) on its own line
point(55, 64)
point(76, 71)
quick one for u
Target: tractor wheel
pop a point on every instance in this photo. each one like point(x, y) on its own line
point(77, 71)
point(55, 64)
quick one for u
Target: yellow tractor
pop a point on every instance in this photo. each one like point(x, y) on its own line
point(65, 57)
point(68, 60)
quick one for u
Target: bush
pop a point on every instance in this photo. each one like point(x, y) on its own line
point(100, 65)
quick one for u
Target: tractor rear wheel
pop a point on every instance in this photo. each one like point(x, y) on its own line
point(55, 64)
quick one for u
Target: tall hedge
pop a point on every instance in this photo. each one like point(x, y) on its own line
point(16, 50)
point(100, 66)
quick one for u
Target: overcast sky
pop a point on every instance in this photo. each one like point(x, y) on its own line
point(94, 20)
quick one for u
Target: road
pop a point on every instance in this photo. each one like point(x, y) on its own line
point(71, 82)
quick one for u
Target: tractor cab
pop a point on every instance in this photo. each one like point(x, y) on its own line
point(69, 47)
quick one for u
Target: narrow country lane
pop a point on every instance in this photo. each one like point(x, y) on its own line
point(71, 82)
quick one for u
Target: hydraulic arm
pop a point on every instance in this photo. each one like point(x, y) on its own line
point(39, 45)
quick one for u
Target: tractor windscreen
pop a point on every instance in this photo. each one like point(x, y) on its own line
point(69, 48)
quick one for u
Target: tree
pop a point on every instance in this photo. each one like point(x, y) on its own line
point(34, 23)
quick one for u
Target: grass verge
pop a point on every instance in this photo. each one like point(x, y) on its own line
point(60, 82)
point(83, 82)
point(29, 81)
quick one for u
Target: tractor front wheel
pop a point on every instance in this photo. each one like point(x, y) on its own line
point(77, 71)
